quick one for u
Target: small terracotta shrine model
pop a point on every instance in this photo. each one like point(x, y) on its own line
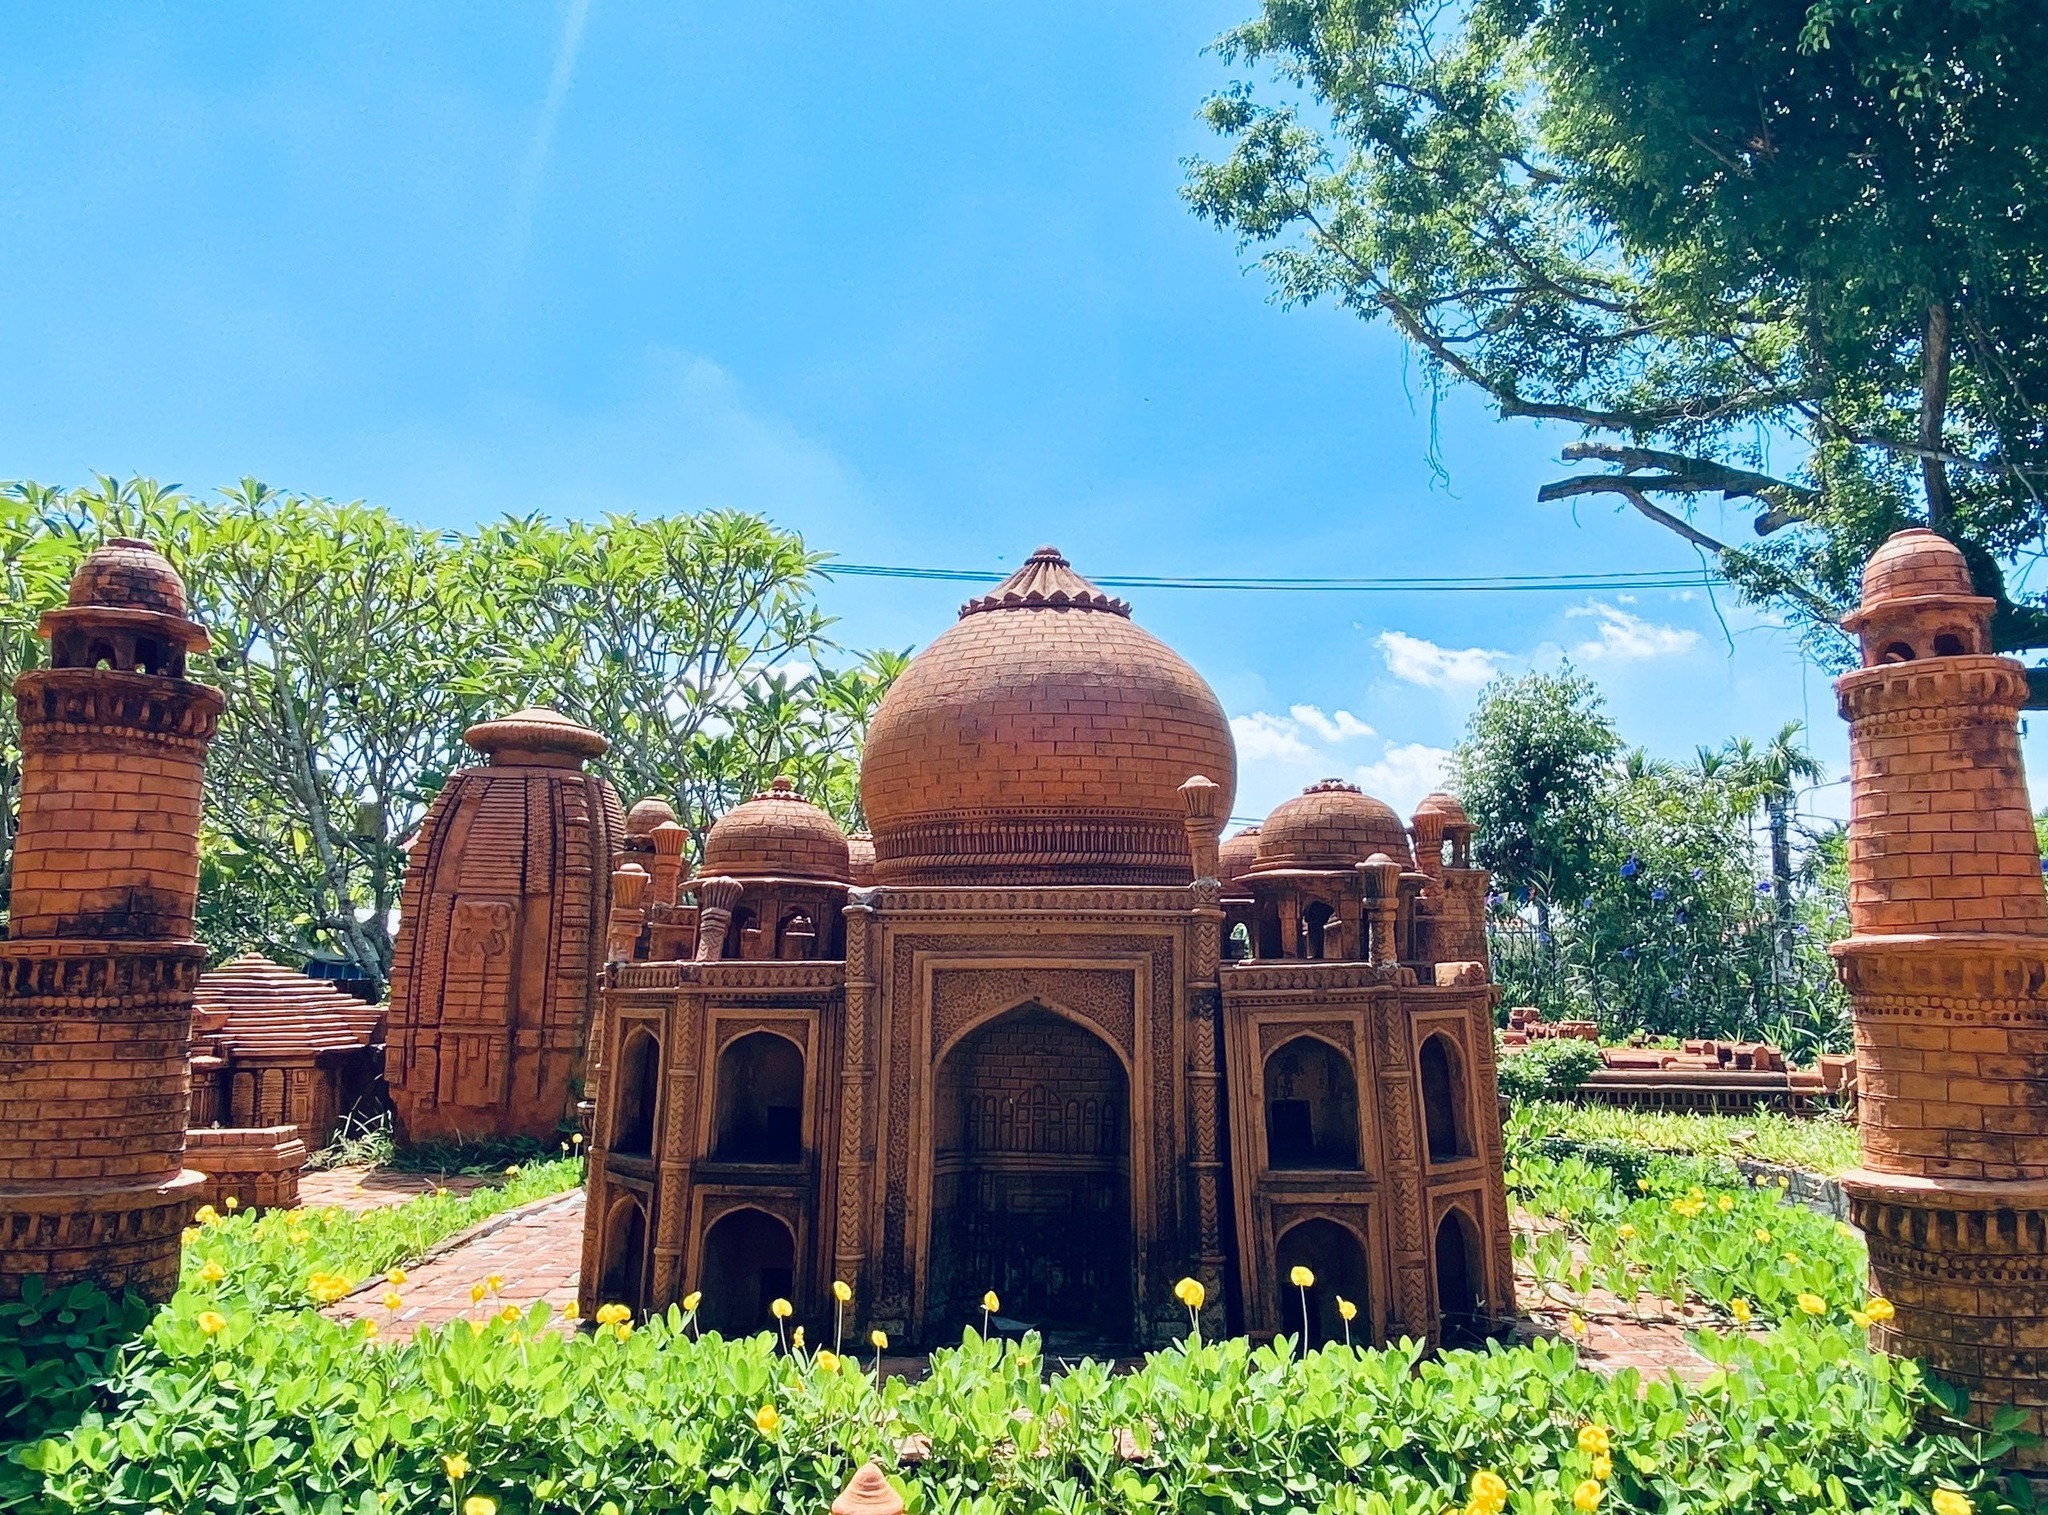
point(500, 946)
point(97, 972)
point(1947, 970)
point(1060, 1047)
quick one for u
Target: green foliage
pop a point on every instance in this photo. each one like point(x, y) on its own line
point(1546, 1070)
point(355, 649)
point(56, 1348)
point(1700, 233)
point(1818, 1144)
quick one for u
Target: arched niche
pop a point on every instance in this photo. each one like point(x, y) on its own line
point(1460, 1302)
point(742, 933)
point(622, 1278)
point(749, 1263)
point(758, 1116)
point(1336, 1257)
point(1315, 924)
point(1271, 947)
point(1446, 1124)
point(796, 937)
point(1031, 1180)
point(1311, 1106)
point(637, 1087)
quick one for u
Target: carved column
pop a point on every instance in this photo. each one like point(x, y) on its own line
point(669, 840)
point(1205, 1091)
point(1408, 1310)
point(1381, 877)
point(678, 1146)
point(716, 898)
point(856, 1078)
point(1204, 826)
point(1500, 1294)
point(629, 912)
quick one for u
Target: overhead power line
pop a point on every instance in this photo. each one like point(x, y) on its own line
point(1569, 583)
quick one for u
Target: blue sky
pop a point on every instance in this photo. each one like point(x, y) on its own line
point(911, 278)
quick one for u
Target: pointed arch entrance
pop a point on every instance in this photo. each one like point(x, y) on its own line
point(1031, 1181)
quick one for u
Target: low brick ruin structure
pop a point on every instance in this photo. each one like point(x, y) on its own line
point(501, 937)
point(1001, 1044)
point(1947, 970)
point(98, 969)
point(1700, 1076)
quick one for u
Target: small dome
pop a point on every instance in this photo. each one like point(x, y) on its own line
point(646, 815)
point(777, 834)
point(1914, 563)
point(1234, 859)
point(1438, 803)
point(1043, 739)
point(537, 738)
point(860, 852)
point(128, 574)
point(1331, 825)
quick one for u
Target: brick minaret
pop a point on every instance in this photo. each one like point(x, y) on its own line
point(97, 974)
point(1948, 973)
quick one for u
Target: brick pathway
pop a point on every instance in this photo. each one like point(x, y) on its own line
point(535, 1251)
point(371, 1188)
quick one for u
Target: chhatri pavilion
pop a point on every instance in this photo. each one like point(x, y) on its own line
point(1042, 1031)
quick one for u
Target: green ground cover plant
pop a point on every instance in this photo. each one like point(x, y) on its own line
point(1824, 1144)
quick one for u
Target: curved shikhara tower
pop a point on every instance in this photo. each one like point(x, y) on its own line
point(1948, 972)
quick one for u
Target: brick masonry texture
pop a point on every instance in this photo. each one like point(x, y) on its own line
point(1945, 970)
point(98, 972)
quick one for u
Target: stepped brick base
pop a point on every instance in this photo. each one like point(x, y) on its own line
point(258, 1165)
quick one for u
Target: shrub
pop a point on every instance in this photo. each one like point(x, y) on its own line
point(1547, 1069)
point(56, 1347)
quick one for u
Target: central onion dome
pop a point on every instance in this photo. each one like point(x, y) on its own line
point(776, 834)
point(1043, 739)
point(1330, 825)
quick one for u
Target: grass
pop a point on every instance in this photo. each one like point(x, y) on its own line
point(1824, 1144)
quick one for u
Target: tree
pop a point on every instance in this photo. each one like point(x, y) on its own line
point(1704, 234)
point(1529, 773)
point(1772, 777)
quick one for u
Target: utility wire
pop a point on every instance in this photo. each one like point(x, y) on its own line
point(1674, 578)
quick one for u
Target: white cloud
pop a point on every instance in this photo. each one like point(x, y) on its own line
point(1338, 726)
point(1292, 739)
point(1416, 661)
point(1629, 638)
point(1405, 772)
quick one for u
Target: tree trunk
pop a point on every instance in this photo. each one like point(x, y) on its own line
point(1780, 814)
point(1934, 369)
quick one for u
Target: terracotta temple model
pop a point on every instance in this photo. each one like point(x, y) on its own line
point(1060, 1048)
point(1947, 970)
point(97, 972)
point(501, 936)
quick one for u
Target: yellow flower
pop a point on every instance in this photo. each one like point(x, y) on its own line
point(395, 1277)
point(1346, 1308)
point(570, 1313)
point(781, 1309)
point(766, 1420)
point(1603, 1467)
point(456, 1466)
point(1879, 1308)
point(841, 1291)
point(1643, 1185)
point(1189, 1291)
point(495, 1282)
point(231, 1203)
point(1813, 1304)
point(623, 1329)
point(477, 1293)
point(1860, 1318)
point(1301, 1277)
point(827, 1361)
point(693, 1299)
point(1763, 1237)
point(1489, 1492)
point(393, 1299)
point(211, 1272)
point(476, 1327)
point(513, 1171)
point(1725, 1203)
point(478, 1504)
point(1577, 1323)
point(369, 1328)
point(879, 1340)
point(1952, 1502)
point(189, 1235)
point(577, 1139)
point(206, 1215)
point(1625, 1232)
point(611, 1315)
point(1586, 1497)
point(990, 1303)
point(796, 1338)
point(212, 1322)
point(1740, 1310)
point(510, 1314)
point(326, 1288)
point(1688, 1207)
point(1593, 1439)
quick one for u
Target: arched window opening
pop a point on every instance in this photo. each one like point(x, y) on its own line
point(1896, 652)
point(638, 1084)
point(796, 939)
point(1948, 645)
point(147, 659)
point(749, 1263)
point(625, 1255)
point(101, 655)
point(1443, 1101)
point(1269, 934)
point(1311, 1106)
point(1461, 1308)
point(743, 935)
point(1332, 1254)
point(1315, 922)
point(759, 1116)
point(1238, 945)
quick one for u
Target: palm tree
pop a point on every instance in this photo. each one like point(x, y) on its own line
point(1772, 776)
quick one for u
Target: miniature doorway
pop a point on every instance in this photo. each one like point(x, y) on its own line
point(1031, 1182)
point(749, 1263)
point(1334, 1256)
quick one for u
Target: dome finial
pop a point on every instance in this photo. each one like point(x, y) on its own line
point(1047, 581)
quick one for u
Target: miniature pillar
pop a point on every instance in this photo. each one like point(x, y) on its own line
point(1381, 876)
point(97, 974)
point(669, 840)
point(716, 898)
point(1946, 970)
point(628, 914)
point(1205, 829)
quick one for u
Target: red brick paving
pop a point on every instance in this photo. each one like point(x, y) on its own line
point(372, 1188)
